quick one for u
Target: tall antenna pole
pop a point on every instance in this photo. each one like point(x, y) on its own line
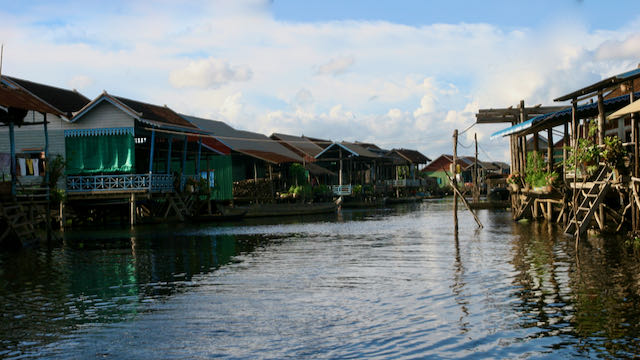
point(1, 56)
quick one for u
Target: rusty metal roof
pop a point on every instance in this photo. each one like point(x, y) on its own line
point(246, 142)
point(21, 99)
point(66, 101)
point(412, 156)
point(157, 113)
point(304, 145)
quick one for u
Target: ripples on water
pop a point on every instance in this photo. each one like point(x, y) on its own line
point(394, 283)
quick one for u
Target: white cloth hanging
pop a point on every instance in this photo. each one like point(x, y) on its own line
point(36, 170)
point(23, 166)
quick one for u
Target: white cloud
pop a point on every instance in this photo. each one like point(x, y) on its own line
point(208, 73)
point(336, 66)
point(80, 82)
point(234, 61)
point(620, 50)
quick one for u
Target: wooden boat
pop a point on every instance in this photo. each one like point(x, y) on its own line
point(227, 214)
point(265, 210)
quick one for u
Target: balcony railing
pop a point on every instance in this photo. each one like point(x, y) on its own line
point(120, 183)
point(341, 190)
point(405, 183)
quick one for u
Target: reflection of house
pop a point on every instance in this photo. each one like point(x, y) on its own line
point(29, 142)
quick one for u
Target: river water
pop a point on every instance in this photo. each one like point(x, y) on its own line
point(384, 283)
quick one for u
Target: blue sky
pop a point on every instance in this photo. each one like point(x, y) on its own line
point(396, 73)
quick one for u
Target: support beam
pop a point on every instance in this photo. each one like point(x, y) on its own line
point(550, 149)
point(600, 118)
point(170, 140)
point(151, 151)
point(12, 142)
point(198, 158)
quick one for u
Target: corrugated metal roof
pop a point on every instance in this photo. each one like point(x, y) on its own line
point(162, 114)
point(250, 143)
point(305, 145)
point(562, 116)
point(413, 156)
point(320, 142)
point(360, 149)
point(21, 99)
point(66, 101)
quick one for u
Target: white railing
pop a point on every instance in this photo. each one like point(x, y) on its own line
point(341, 190)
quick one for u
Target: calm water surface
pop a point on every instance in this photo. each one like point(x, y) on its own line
point(386, 283)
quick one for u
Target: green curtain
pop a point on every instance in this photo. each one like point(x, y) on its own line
point(100, 154)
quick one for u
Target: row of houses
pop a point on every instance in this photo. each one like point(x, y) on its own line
point(115, 145)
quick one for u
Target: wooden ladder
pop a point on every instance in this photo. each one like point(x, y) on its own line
point(18, 222)
point(176, 203)
point(590, 203)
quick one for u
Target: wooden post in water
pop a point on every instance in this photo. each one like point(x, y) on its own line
point(523, 118)
point(455, 180)
point(601, 213)
point(634, 139)
point(574, 125)
point(132, 209)
point(476, 191)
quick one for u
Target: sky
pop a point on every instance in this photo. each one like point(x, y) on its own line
point(401, 74)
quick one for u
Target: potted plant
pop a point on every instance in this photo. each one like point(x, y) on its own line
point(613, 154)
point(535, 171)
point(515, 181)
point(585, 155)
point(550, 178)
point(190, 185)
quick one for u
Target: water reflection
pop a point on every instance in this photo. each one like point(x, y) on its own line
point(390, 282)
point(50, 292)
point(587, 300)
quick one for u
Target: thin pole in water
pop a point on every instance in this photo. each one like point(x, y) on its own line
point(454, 181)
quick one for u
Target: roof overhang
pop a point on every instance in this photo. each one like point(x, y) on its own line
point(601, 85)
point(634, 107)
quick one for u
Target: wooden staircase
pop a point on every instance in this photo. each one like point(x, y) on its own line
point(178, 204)
point(21, 222)
point(589, 202)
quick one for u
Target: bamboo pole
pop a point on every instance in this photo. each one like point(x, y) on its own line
point(454, 182)
point(476, 191)
point(574, 122)
point(464, 201)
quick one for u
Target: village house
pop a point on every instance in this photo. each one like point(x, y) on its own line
point(260, 164)
point(31, 143)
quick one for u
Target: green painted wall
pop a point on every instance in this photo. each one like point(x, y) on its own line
point(440, 176)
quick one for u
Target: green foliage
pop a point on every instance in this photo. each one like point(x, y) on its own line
point(357, 189)
point(613, 152)
point(298, 174)
point(55, 169)
point(57, 195)
point(587, 153)
point(633, 244)
point(301, 191)
point(203, 186)
point(535, 171)
point(321, 190)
